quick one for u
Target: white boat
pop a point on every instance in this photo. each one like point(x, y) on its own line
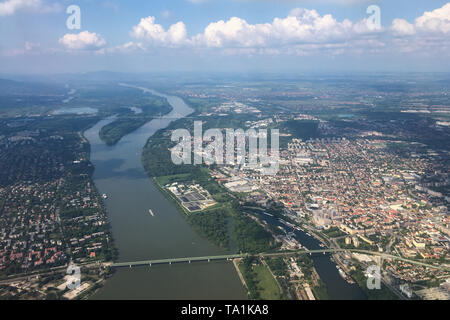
point(151, 212)
point(342, 274)
point(104, 196)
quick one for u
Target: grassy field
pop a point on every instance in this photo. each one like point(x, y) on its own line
point(267, 285)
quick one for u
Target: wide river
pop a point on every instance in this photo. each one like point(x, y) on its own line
point(139, 236)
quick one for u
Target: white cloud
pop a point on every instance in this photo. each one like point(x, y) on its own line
point(402, 27)
point(148, 30)
point(234, 32)
point(435, 21)
point(301, 26)
point(82, 41)
point(428, 34)
point(10, 7)
point(301, 32)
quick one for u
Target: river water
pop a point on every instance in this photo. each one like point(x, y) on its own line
point(337, 287)
point(139, 236)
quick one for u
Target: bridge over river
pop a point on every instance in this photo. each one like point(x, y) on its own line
point(277, 254)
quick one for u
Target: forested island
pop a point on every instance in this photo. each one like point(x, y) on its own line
point(131, 119)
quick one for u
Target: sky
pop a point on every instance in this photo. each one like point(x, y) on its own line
point(224, 35)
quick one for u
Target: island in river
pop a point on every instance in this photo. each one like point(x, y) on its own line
point(130, 119)
point(139, 236)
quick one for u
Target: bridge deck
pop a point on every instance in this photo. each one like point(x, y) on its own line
point(177, 260)
point(235, 256)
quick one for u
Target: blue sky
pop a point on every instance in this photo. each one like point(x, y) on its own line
point(224, 35)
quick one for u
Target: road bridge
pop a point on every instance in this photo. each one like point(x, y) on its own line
point(170, 261)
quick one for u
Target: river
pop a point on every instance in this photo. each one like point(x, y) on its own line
point(337, 287)
point(139, 236)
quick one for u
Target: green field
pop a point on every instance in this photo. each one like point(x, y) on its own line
point(267, 285)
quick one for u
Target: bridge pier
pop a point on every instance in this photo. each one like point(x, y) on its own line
point(170, 262)
point(150, 264)
point(209, 260)
point(189, 261)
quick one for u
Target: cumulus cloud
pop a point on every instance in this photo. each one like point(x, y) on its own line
point(150, 31)
point(10, 7)
point(301, 32)
point(429, 33)
point(82, 41)
point(301, 26)
point(435, 22)
point(402, 27)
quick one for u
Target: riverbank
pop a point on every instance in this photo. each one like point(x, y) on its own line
point(119, 173)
